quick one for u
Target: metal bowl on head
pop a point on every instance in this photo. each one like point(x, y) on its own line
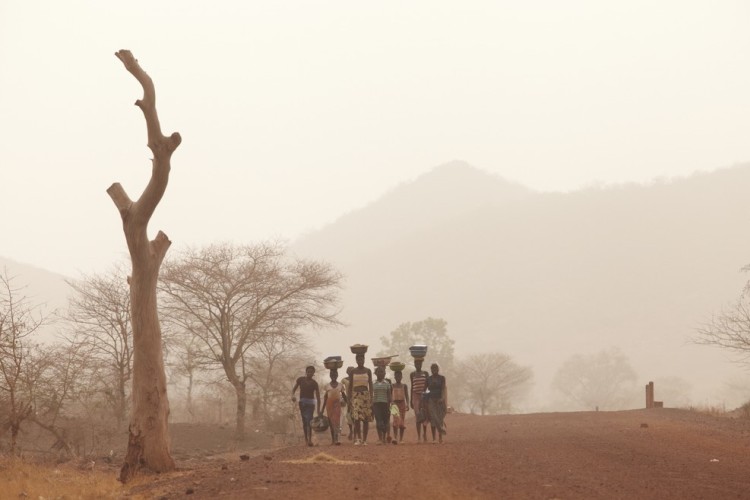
point(418, 350)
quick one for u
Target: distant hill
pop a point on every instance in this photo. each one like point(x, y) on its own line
point(43, 289)
point(447, 192)
point(542, 276)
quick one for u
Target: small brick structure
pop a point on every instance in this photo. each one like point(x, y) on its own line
point(650, 403)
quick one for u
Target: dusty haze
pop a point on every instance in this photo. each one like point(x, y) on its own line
point(293, 113)
point(322, 124)
point(542, 276)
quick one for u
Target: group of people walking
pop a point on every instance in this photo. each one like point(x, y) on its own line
point(382, 400)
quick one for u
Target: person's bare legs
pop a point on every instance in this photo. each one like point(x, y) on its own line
point(308, 434)
point(357, 432)
point(365, 429)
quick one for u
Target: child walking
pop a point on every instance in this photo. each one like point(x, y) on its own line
point(400, 395)
point(332, 399)
point(381, 402)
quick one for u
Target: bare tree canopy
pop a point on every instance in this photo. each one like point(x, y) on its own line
point(604, 380)
point(729, 329)
point(236, 299)
point(273, 364)
point(21, 364)
point(99, 319)
point(492, 382)
point(148, 442)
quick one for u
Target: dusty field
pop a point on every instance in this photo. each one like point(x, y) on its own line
point(659, 454)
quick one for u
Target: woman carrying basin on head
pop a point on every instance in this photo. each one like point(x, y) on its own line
point(360, 399)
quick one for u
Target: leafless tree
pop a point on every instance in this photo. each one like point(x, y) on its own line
point(729, 329)
point(232, 297)
point(148, 441)
point(186, 361)
point(58, 376)
point(604, 380)
point(87, 417)
point(270, 364)
point(20, 362)
point(491, 382)
point(99, 318)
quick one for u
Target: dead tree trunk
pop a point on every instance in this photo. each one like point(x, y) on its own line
point(148, 442)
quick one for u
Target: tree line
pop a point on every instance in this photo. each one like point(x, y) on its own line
point(236, 323)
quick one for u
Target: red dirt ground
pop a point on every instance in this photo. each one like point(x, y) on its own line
point(645, 454)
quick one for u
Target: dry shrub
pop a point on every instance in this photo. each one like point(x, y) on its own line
point(21, 479)
point(713, 410)
point(744, 410)
point(279, 423)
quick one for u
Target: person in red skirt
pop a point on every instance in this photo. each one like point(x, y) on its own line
point(333, 398)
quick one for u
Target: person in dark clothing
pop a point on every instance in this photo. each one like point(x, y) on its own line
point(309, 399)
point(381, 403)
point(437, 402)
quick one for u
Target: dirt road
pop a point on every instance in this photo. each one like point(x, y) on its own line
point(660, 454)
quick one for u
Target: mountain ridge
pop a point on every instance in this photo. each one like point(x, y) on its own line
point(549, 275)
point(396, 214)
point(539, 275)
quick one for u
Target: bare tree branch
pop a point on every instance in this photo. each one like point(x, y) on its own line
point(235, 298)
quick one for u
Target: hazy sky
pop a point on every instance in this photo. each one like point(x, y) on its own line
point(293, 113)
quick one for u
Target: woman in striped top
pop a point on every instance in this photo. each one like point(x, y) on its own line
point(381, 403)
point(418, 386)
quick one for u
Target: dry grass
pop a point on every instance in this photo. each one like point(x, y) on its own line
point(721, 411)
point(323, 458)
point(21, 479)
point(713, 410)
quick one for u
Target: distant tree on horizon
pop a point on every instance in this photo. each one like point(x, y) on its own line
point(604, 380)
point(430, 331)
point(489, 383)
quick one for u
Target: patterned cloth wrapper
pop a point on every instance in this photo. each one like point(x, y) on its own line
point(436, 414)
point(398, 414)
point(362, 406)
